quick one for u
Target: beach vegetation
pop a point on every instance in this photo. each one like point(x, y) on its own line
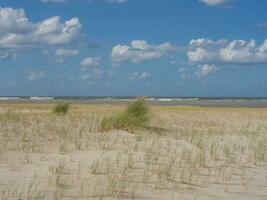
point(61, 108)
point(135, 116)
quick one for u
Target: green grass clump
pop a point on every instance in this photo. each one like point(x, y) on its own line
point(61, 109)
point(136, 116)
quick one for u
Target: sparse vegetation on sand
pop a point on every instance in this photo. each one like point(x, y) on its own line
point(135, 116)
point(207, 154)
point(61, 108)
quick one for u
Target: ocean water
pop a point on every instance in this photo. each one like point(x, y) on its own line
point(125, 99)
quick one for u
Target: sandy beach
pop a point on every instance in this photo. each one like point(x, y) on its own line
point(203, 153)
point(197, 103)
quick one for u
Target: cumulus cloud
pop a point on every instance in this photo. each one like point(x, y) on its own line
point(34, 75)
point(214, 2)
point(206, 70)
point(139, 51)
point(90, 61)
point(18, 33)
point(239, 52)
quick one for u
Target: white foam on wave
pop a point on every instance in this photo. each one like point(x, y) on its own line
point(8, 98)
point(42, 98)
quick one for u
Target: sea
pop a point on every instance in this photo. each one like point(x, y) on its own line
point(130, 98)
point(260, 102)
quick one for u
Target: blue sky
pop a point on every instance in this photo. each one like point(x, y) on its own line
point(133, 47)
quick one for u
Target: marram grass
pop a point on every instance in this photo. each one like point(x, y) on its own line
point(61, 108)
point(135, 116)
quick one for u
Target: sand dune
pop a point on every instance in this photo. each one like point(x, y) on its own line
point(205, 153)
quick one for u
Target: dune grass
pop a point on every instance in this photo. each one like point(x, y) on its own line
point(136, 116)
point(61, 108)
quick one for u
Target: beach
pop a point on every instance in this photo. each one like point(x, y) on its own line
point(192, 152)
point(133, 100)
point(198, 102)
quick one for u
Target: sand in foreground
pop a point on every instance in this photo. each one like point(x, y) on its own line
point(205, 153)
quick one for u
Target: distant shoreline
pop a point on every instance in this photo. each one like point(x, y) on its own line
point(197, 103)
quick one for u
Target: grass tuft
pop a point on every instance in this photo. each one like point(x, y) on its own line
point(136, 116)
point(61, 109)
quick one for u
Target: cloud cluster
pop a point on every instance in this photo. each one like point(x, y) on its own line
point(140, 51)
point(206, 70)
point(90, 61)
point(239, 52)
point(18, 33)
point(214, 2)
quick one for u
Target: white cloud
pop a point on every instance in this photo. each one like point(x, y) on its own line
point(17, 33)
point(14, 21)
point(214, 2)
point(90, 61)
point(140, 51)
point(239, 52)
point(206, 70)
point(34, 75)
point(66, 52)
point(61, 54)
point(141, 76)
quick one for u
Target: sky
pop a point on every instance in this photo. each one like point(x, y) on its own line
point(133, 48)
